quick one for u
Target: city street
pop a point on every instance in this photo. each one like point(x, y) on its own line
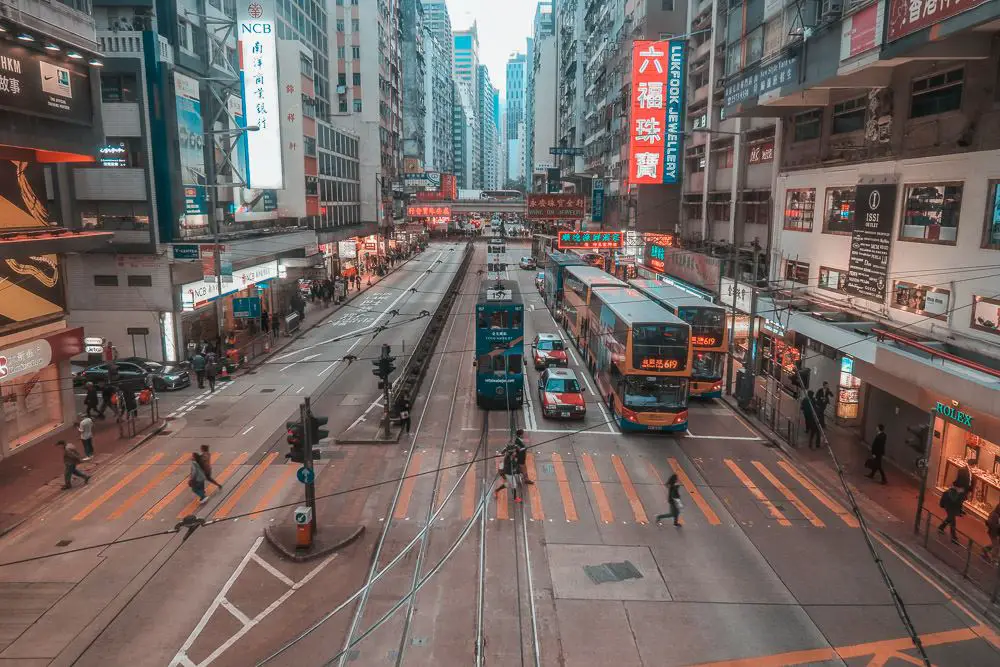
point(766, 569)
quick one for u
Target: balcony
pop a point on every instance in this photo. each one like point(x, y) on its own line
point(129, 44)
point(67, 20)
point(694, 182)
point(702, 50)
point(700, 96)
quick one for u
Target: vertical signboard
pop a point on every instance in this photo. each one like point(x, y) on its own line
point(657, 112)
point(597, 201)
point(191, 139)
point(871, 238)
point(259, 90)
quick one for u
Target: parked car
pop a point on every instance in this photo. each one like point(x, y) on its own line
point(560, 394)
point(528, 263)
point(548, 350)
point(164, 376)
point(540, 281)
point(131, 376)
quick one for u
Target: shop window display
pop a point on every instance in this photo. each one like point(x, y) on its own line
point(962, 449)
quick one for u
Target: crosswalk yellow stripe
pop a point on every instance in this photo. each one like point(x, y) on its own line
point(633, 498)
point(122, 483)
point(757, 493)
point(251, 479)
point(830, 504)
point(787, 493)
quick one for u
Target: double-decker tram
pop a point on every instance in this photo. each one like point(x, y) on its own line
point(555, 270)
point(578, 285)
point(640, 356)
point(499, 345)
point(709, 335)
point(541, 246)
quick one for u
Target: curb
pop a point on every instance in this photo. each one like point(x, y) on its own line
point(294, 555)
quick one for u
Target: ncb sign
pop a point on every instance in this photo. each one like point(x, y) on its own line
point(259, 85)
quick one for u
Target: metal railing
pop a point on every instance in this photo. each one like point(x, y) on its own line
point(963, 554)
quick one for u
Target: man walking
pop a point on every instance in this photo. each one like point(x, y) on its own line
point(107, 396)
point(951, 502)
point(86, 427)
point(521, 451)
point(198, 364)
point(71, 458)
point(404, 416)
point(265, 323)
point(508, 469)
point(211, 371)
point(809, 414)
point(878, 451)
point(674, 500)
point(90, 401)
point(823, 398)
point(206, 465)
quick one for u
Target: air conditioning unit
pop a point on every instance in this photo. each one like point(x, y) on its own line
point(341, 90)
point(831, 9)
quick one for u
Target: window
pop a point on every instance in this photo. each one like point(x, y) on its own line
point(182, 33)
point(342, 79)
point(309, 146)
point(340, 25)
point(797, 272)
point(921, 300)
point(838, 215)
point(773, 34)
point(357, 106)
point(115, 216)
point(355, 25)
point(832, 279)
point(930, 213)
point(936, 94)
point(342, 106)
point(140, 281)
point(667, 5)
point(356, 52)
point(807, 125)
point(986, 314)
point(341, 52)
point(118, 87)
point(849, 116)
point(991, 232)
point(733, 54)
point(755, 46)
point(356, 77)
point(105, 281)
point(800, 206)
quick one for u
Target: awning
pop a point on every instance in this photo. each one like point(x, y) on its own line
point(51, 240)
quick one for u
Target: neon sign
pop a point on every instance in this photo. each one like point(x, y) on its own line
point(704, 341)
point(658, 364)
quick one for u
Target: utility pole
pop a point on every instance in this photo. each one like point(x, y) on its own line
point(307, 459)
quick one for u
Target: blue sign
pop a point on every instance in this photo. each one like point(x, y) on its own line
point(269, 200)
point(673, 135)
point(248, 307)
point(847, 365)
point(187, 251)
point(597, 201)
point(306, 475)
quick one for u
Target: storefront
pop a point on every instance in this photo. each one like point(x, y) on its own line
point(36, 399)
point(960, 441)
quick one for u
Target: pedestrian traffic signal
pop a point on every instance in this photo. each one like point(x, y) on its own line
point(295, 436)
point(315, 431)
point(918, 438)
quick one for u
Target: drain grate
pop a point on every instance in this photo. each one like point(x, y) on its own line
point(610, 572)
point(267, 391)
point(64, 543)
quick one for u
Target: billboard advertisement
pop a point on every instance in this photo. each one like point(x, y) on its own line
point(32, 84)
point(32, 287)
point(550, 206)
point(191, 140)
point(258, 53)
point(656, 140)
point(909, 16)
point(871, 240)
point(590, 240)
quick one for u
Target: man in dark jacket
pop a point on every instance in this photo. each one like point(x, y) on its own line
point(878, 451)
point(809, 414)
point(91, 400)
point(198, 364)
point(952, 502)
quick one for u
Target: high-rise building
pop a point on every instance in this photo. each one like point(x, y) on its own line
point(466, 74)
point(540, 106)
point(514, 124)
point(415, 90)
point(464, 134)
point(439, 89)
point(571, 40)
point(488, 108)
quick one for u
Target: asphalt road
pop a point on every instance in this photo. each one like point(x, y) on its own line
point(767, 568)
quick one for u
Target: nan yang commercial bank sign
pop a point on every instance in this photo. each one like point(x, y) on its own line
point(198, 293)
point(657, 112)
point(259, 85)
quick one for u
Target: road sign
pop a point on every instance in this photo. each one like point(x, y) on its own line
point(248, 307)
point(186, 251)
point(306, 475)
point(565, 150)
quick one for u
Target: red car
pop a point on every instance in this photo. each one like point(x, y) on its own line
point(548, 350)
point(560, 394)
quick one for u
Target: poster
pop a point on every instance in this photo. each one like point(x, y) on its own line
point(191, 140)
point(32, 84)
point(871, 239)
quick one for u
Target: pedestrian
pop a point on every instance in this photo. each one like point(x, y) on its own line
point(952, 501)
point(196, 478)
point(205, 458)
point(107, 400)
point(71, 458)
point(823, 398)
point(211, 370)
point(993, 530)
point(90, 401)
point(404, 416)
point(86, 427)
point(964, 479)
point(809, 414)
point(509, 469)
point(521, 450)
point(265, 323)
point(198, 364)
point(674, 500)
point(874, 464)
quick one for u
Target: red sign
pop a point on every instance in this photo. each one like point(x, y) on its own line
point(591, 241)
point(656, 238)
point(908, 16)
point(428, 211)
point(565, 206)
point(704, 341)
point(762, 152)
point(658, 364)
point(648, 112)
point(862, 32)
point(449, 186)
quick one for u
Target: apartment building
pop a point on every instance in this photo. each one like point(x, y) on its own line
point(439, 89)
point(415, 92)
point(540, 104)
point(514, 124)
point(466, 74)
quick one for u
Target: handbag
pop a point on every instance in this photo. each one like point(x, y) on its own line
point(870, 463)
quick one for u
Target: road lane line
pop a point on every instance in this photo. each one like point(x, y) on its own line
point(469, 496)
point(152, 484)
point(603, 506)
point(309, 358)
point(575, 360)
point(757, 493)
point(534, 496)
point(192, 506)
point(170, 497)
point(244, 486)
point(692, 490)
point(830, 504)
point(247, 431)
point(122, 483)
point(633, 498)
point(787, 493)
point(404, 497)
point(265, 502)
point(278, 574)
point(569, 507)
point(503, 510)
point(243, 619)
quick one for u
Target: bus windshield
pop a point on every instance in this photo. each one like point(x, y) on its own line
point(705, 323)
point(660, 347)
point(655, 394)
point(707, 365)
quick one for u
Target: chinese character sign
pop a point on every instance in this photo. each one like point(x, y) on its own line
point(428, 211)
point(590, 240)
point(555, 206)
point(656, 122)
point(259, 85)
point(909, 16)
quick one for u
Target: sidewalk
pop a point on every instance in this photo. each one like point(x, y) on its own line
point(32, 478)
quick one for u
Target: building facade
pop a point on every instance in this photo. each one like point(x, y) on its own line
point(439, 89)
point(466, 74)
point(514, 124)
point(416, 94)
point(540, 108)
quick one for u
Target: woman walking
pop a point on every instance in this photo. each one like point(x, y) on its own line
point(674, 498)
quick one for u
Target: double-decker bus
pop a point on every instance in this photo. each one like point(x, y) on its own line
point(541, 246)
point(709, 335)
point(578, 284)
point(640, 356)
point(499, 345)
point(555, 268)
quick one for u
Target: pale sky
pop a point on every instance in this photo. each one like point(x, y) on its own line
point(504, 27)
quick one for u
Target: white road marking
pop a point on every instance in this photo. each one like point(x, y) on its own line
point(247, 431)
point(689, 434)
point(554, 430)
point(353, 345)
point(378, 401)
point(575, 360)
point(529, 414)
point(309, 358)
point(273, 570)
point(299, 391)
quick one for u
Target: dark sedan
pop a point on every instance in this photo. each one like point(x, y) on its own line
point(164, 376)
point(130, 376)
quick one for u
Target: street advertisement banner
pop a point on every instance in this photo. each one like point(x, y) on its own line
point(565, 206)
point(762, 152)
point(257, 47)
point(198, 293)
point(32, 287)
point(597, 201)
point(908, 16)
point(871, 239)
point(691, 267)
point(657, 111)
point(590, 240)
point(32, 84)
point(347, 249)
point(191, 142)
point(762, 80)
point(418, 211)
point(862, 31)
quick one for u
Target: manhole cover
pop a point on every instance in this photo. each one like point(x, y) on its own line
point(609, 572)
point(267, 391)
point(64, 543)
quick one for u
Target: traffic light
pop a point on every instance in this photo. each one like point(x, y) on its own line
point(295, 436)
point(383, 367)
point(917, 438)
point(315, 431)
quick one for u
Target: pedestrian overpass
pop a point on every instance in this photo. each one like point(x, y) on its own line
point(484, 206)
